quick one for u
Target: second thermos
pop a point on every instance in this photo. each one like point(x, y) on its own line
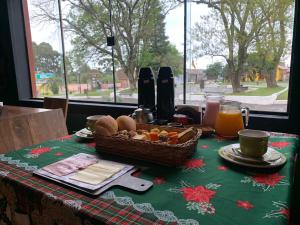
point(165, 94)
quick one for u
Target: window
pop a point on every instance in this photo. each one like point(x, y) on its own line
point(95, 71)
point(240, 49)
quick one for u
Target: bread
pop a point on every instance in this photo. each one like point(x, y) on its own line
point(106, 126)
point(126, 123)
point(186, 135)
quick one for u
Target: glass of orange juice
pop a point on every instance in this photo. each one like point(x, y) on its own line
point(230, 120)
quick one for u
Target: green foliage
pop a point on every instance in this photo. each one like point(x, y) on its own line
point(46, 59)
point(215, 70)
point(232, 29)
point(283, 96)
point(54, 83)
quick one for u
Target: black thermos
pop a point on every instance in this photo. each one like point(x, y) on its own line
point(146, 91)
point(165, 94)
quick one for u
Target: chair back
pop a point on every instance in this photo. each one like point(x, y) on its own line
point(57, 103)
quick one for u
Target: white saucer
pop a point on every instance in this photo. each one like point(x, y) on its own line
point(271, 159)
point(85, 133)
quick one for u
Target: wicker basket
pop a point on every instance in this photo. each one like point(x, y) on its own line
point(155, 152)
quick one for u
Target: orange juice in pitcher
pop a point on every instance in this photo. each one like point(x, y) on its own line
point(230, 120)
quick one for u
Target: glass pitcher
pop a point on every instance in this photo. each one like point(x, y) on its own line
point(230, 120)
point(213, 102)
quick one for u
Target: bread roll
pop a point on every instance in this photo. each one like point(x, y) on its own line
point(126, 123)
point(106, 126)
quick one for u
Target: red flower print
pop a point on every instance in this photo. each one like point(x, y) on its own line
point(281, 144)
point(204, 146)
point(159, 180)
point(65, 137)
point(224, 168)
point(38, 151)
point(244, 204)
point(197, 194)
point(194, 163)
point(268, 179)
point(58, 154)
point(92, 144)
point(285, 212)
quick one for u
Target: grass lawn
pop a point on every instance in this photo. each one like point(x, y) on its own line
point(283, 96)
point(95, 93)
point(264, 91)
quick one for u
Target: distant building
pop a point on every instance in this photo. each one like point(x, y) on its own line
point(122, 78)
point(195, 75)
point(282, 73)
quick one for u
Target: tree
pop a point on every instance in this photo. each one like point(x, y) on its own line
point(231, 33)
point(273, 41)
point(46, 59)
point(54, 83)
point(133, 23)
point(237, 28)
point(213, 71)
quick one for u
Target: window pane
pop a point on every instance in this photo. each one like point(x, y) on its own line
point(149, 33)
point(241, 49)
point(46, 48)
point(88, 58)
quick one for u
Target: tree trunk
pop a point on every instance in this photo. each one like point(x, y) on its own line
point(130, 72)
point(236, 82)
point(234, 79)
point(271, 79)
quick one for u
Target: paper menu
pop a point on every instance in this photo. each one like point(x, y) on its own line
point(97, 173)
point(66, 179)
point(71, 164)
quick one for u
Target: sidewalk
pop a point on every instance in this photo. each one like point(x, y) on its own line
point(257, 100)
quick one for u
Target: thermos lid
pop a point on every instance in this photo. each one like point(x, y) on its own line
point(145, 73)
point(165, 72)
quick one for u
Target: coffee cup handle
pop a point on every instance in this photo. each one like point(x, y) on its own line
point(247, 114)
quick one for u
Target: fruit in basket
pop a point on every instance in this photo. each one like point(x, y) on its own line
point(155, 130)
point(173, 139)
point(163, 136)
point(126, 123)
point(172, 133)
point(106, 126)
point(153, 136)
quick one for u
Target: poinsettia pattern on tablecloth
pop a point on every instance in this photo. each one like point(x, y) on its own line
point(198, 197)
point(280, 210)
point(266, 182)
point(194, 164)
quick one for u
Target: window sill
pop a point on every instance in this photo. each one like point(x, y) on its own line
point(79, 110)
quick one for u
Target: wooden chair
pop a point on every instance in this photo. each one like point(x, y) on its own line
point(57, 103)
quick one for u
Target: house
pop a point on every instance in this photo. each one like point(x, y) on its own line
point(122, 78)
point(195, 75)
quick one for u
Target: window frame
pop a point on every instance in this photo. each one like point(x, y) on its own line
point(275, 121)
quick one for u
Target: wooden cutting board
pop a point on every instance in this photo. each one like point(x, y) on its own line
point(126, 181)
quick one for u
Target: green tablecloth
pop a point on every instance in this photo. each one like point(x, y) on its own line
point(205, 190)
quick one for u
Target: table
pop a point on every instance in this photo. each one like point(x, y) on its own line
point(24, 126)
point(205, 190)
